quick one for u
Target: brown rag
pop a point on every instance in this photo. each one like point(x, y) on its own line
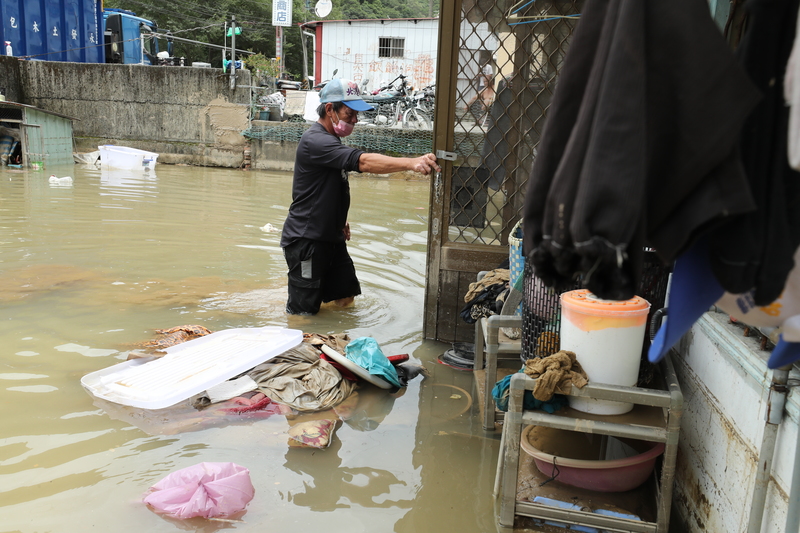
point(555, 374)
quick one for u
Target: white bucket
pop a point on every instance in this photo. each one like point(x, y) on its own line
point(607, 338)
point(128, 158)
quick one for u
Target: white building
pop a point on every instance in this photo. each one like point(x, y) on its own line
point(379, 50)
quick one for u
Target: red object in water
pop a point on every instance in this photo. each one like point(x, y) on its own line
point(256, 403)
point(397, 359)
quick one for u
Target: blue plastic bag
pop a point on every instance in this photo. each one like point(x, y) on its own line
point(365, 352)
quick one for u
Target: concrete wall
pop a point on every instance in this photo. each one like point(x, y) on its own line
point(9, 79)
point(726, 383)
point(273, 155)
point(188, 115)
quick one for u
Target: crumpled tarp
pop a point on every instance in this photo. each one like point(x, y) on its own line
point(366, 353)
point(207, 490)
point(300, 379)
point(555, 374)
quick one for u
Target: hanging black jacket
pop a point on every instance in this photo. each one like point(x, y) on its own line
point(639, 148)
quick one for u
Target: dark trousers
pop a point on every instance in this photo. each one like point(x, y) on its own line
point(319, 272)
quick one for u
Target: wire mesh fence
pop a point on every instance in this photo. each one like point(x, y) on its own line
point(377, 139)
point(510, 56)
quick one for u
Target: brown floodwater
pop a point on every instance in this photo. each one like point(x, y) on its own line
point(89, 271)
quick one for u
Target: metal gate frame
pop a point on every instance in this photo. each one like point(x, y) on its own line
point(444, 257)
point(453, 265)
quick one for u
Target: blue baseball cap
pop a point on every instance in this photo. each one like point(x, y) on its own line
point(345, 91)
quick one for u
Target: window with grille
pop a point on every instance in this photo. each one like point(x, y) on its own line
point(391, 46)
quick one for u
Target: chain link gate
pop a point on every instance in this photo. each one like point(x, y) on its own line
point(495, 79)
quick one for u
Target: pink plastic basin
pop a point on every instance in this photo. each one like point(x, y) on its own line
point(615, 475)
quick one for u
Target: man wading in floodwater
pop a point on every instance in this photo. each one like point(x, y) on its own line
point(316, 230)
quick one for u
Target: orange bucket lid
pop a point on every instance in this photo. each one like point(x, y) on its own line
point(583, 301)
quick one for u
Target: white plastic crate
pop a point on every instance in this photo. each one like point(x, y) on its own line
point(189, 368)
point(112, 156)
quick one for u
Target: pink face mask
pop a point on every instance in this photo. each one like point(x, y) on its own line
point(342, 128)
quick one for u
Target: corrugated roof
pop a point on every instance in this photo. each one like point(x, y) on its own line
point(315, 22)
point(17, 104)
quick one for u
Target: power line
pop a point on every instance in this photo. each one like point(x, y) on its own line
point(195, 29)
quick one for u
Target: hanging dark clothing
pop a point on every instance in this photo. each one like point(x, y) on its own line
point(755, 250)
point(639, 148)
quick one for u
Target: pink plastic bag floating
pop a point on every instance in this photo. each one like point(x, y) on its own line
point(206, 489)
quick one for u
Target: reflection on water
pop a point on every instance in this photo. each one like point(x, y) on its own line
point(88, 271)
point(328, 485)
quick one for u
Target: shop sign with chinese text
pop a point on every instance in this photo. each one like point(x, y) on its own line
point(281, 12)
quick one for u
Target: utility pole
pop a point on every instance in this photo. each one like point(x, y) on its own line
point(233, 52)
point(303, 39)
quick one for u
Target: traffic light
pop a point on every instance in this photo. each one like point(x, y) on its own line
point(238, 31)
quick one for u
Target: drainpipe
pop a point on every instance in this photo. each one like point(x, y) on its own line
point(793, 513)
point(775, 406)
point(233, 52)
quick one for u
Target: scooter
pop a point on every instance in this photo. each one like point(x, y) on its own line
point(318, 87)
point(388, 103)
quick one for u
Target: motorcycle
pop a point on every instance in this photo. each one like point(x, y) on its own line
point(419, 111)
point(318, 87)
point(389, 103)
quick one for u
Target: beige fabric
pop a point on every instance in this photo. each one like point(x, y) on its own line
point(555, 374)
point(300, 379)
point(493, 277)
point(338, 341)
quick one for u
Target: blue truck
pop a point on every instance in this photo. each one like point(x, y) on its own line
point(80, 31)
point(130, 39)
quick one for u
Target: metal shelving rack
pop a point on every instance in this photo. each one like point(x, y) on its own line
point(491, 345)
point(666, 405)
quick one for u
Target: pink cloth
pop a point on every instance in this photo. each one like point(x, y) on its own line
point(205, 489)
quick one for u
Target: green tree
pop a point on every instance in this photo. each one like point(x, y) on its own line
point(205, 22)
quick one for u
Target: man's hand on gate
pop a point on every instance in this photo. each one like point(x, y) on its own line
point(426, 164)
